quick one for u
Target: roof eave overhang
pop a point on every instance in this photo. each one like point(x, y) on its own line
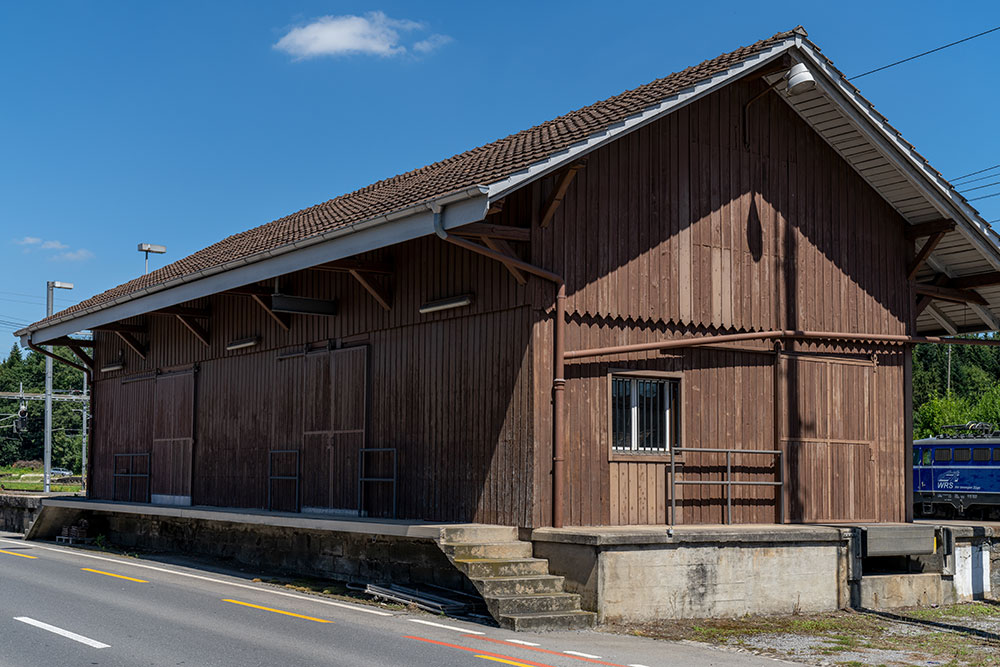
point(890, 144)
point(464, 206)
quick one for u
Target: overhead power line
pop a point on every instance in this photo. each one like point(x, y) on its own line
point(958, 178)
point(973, 180)
point(980, 187)
point(925, 53)
point(995, 194)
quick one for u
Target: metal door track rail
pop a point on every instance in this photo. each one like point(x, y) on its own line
point(728, 481)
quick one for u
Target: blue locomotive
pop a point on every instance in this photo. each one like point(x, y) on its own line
point(958, 472)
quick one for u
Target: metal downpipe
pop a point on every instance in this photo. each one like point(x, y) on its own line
point(558, 355)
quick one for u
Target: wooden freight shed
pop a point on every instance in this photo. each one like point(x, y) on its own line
point(714, 277)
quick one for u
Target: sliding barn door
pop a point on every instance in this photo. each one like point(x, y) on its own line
point(349, 410)
point(173, 438)
point(334, 419)
point(827, 430)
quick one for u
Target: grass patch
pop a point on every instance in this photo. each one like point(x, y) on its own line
point(960, 642)
point(38, 486)
point(970, 610)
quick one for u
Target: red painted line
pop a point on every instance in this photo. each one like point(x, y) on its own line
point(542, 650)
point(473, 650)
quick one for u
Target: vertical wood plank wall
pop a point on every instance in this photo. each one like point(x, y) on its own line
point(672, 230)
point(679, 229)
point(449, 390)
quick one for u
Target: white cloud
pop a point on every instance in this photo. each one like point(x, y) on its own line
point(431, 43)
point(371, 34)
point(29, 240)
point(53, 245)
point(78, 255)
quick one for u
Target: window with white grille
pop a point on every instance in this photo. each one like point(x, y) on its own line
point(645, 414)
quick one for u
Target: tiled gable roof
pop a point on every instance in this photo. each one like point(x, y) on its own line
point(480, 166)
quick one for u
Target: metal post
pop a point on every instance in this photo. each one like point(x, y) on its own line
point(83, 440)
point(729, 488)
point(48, 394)
point(673, 492)
point(781, 489)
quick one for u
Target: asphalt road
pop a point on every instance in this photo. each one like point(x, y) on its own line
point(65, 606)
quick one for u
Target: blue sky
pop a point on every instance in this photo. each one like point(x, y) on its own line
point(179, 123)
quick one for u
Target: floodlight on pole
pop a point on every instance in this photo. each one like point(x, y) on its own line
point(49, 286)
point(151, 248)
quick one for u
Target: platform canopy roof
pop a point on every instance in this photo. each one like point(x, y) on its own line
point(957, 256)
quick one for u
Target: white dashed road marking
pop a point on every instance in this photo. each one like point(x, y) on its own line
point(582, 655)
point(64, 633)
point(446, 627)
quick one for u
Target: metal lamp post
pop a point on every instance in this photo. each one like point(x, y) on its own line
point(50, 285)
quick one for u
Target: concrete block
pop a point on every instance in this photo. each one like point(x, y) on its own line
point(895, 591)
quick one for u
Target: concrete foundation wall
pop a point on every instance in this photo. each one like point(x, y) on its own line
point(709, 581)
point(701, 573)
point(343, 556)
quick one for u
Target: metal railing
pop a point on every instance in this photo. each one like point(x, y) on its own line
point(728, 480)
point(272, 478)
point(130, 476)
point(363, 479)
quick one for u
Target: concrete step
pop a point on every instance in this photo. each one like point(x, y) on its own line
point(474, 532)
point(505, 605)
point(537, 622)
point(534, 584)
point(467, 551)
point(482, 568)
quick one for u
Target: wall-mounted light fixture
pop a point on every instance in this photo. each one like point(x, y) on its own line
point(446, 304)
point(117, 366)
point(798, 79)
point(242, 343)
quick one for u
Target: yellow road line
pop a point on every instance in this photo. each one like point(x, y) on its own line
point(116, 576)
point(278, 611)
point(14, 553)
point(506, 662)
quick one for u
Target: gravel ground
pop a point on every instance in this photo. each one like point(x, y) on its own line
point(966, 635)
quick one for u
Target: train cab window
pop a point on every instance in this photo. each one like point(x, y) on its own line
point(916, 456)
point(980, 454)
point(927, 457)
point(942, 455)
point(996, 454)
point(963, 454)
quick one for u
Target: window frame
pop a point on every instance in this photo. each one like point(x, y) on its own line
point(618, 455)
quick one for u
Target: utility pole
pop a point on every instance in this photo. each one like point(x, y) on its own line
point(949, 370)
point(83, 440)
point(50, 285)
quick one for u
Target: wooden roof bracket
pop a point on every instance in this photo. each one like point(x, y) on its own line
point(923, 254)
point(559, 192)
point(131, 341)
point(283, 320)
point(87, 360)
point(502, 247)
point(196, 329)
point(913, 232)
point(378, 292)
point(62, 360)
point(951, 294)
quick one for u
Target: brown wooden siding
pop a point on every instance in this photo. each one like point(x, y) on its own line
point(679, 229)
point(448, 390)
point(674, 230)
